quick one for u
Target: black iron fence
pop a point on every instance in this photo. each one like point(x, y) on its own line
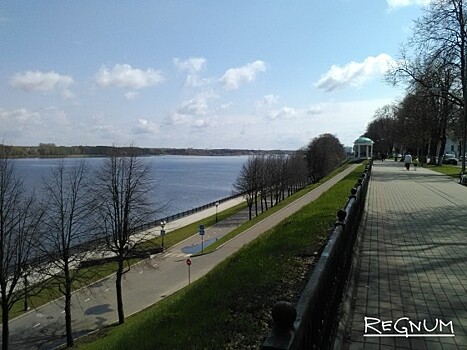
point(189, 212)
point(310, 324)
point(93, 243)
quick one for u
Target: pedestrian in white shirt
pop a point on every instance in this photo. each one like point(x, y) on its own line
point(407, 161)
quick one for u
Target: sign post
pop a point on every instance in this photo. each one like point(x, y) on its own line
point(188, 262)
point(201, 233)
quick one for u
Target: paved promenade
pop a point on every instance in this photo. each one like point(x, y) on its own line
point(410, 280)
point(94, 307)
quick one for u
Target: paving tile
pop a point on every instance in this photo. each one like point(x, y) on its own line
point(409, 264)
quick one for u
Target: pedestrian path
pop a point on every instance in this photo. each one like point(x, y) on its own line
point(146, 283)
point(410, 280)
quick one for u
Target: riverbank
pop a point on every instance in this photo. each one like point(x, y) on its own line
point(246, 276)
point(94, 305)
point(50, 150)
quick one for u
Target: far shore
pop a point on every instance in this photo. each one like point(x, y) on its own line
point(52, 151)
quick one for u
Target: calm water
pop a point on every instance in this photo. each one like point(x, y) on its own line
point(182, 182)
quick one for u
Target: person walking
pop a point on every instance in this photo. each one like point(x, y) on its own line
point(407, 161)
point(415, 163)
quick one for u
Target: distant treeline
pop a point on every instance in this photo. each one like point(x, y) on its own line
point(52, 150)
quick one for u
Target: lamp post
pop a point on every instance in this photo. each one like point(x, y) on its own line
point(217, 205)
point(25, 285)
point(162, 232)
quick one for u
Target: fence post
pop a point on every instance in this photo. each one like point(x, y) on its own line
point(284, 315)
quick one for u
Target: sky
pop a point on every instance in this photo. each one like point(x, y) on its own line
point(263, 74)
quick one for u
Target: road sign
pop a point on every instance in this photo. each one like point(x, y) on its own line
point(201, 230)
point(188, 262)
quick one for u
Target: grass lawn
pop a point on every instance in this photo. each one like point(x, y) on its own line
point(450, 170)
point(229, 308)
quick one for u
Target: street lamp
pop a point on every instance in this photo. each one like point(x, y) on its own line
point(25, 272)
point(163, 232)
point(217, 205)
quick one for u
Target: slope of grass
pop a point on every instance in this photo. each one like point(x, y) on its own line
point(229, 308)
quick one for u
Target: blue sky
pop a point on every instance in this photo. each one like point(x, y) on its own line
point(202, 74)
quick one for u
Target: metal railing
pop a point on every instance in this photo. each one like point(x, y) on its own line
point(93, 243)
point(311, 322)
point(188, 212)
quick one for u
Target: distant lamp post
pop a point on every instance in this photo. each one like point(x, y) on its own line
point(217, 205)
point(163, 232)
point(25, 285)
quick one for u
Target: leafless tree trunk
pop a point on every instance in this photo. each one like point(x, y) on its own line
point(122, 187)
point(19, 222)
point(67, 224)
point(246, 182)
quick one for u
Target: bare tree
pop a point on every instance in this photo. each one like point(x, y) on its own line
point(273, 175)
point(296, 172)
point(122, 186)
point(67, 224)
point(19, 222)
point(439, 44)
point(382, 130)
point(247, 182)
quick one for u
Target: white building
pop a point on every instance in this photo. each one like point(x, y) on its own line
point(363, 148)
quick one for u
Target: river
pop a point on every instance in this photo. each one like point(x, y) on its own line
point(181, 182)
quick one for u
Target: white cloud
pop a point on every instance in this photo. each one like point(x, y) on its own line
point(225, 106)
point(193, 66)
point(131, 95)
point(267, 100)
point(405, 3)
point(43, 82)
point(354, 73)
point(190, 121)
point(126, 77)
point(180, 119)
point(317, 109)
point(19, 124)
point(145, 126)
point(285, 113)
point(235, 77)
point(56, 117)
point(197, 105)
point(19, 117)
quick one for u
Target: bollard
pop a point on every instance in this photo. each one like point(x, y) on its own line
point(341, 215)
point(284, 315)
point(281, 336)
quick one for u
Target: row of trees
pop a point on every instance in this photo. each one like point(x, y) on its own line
point(76, 205)
point(266, 180)
point(433, 66)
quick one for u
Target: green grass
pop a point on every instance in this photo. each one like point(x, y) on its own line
point(226, 306)
point(450, 170)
